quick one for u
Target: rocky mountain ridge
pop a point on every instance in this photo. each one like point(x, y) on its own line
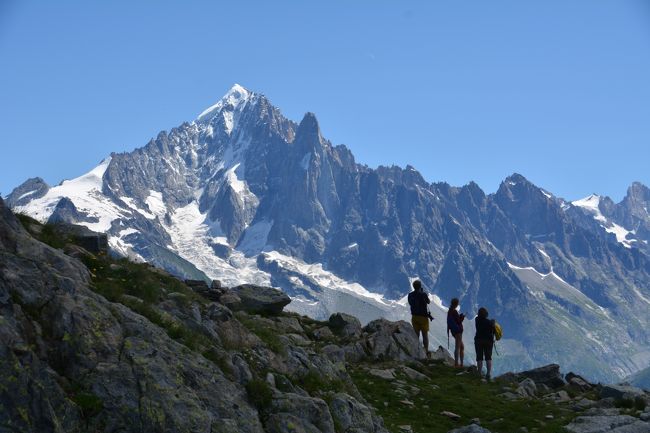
point(244, 195)
point(93, 343)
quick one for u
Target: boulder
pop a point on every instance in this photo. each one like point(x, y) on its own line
point(231, 300)
point(355, 352)
point(578, 382)
point(442, 354)
point(570, 375)
point(199, 286)
point(323, 333)
point(413, 374)
point(94, 242)
point(310, 410)
point(451, 415)
point(388, 340)
point(345, 325)
point(527, 388)
point(334, 353)
point(288, 325)
point(558, 397)
point(548, 375)
point(218, 312)
point(621, 392)
point(611, 424)
point(259, 299)
point(348, 414)
point(383, 374)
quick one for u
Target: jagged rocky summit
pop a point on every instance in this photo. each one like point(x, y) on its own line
point(246, 196)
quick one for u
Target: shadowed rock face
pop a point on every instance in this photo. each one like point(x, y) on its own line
point(71, 361)
point(260, 300)
point(56, 332)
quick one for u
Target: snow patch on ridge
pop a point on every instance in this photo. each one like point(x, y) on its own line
point(131, 204)
point(27, 194)
point(621, 234)
point(254, 237)
point(85, 192)
point(191, 234)
point(156, 203)
point(304, 163)
point(237, 185)
point(591, 205)
point(323, 277)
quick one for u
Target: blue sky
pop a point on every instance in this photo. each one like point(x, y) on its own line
point(558, 91)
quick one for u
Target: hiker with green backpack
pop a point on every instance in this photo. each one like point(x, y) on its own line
point(487, 331)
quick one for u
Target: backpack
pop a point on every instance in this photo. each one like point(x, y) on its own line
point(498, 331)
point(452, 325)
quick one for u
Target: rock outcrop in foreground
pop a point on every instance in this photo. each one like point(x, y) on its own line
point(91, 343)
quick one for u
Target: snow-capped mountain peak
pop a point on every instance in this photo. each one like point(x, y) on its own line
point(591, 204)
point(233, 101)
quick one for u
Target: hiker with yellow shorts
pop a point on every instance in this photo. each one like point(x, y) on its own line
point(420, 316)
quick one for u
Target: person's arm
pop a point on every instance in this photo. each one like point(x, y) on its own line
point(427, 298)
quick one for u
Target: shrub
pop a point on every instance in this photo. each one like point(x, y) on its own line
point(259, 393)
point(89, 403)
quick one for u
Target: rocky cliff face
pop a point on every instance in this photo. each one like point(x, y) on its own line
point(244, 195)
point(158, 358)
point(93, 343)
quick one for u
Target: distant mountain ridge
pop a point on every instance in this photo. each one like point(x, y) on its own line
point(243, 194)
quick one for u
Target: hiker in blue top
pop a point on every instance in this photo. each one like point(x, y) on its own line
point(455, 326)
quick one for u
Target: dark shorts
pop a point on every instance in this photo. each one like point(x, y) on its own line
point(420, 324)
point(483, 349)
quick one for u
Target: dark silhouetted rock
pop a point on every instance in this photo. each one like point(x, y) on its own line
point(345, 325)
point(260, 299)
point(548, 375)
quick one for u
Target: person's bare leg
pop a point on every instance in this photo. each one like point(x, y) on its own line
point(425, 341)
point(489, 368)
point(462, 350)
point(459, 350)
point(479, 366)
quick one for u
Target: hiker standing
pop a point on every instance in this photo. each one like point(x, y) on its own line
point(455, 326)
point(418, 300)
point(484, 341)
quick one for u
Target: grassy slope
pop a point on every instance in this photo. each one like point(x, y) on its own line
point(463, 394)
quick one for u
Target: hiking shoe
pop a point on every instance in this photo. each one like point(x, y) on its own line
point(488, 378)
